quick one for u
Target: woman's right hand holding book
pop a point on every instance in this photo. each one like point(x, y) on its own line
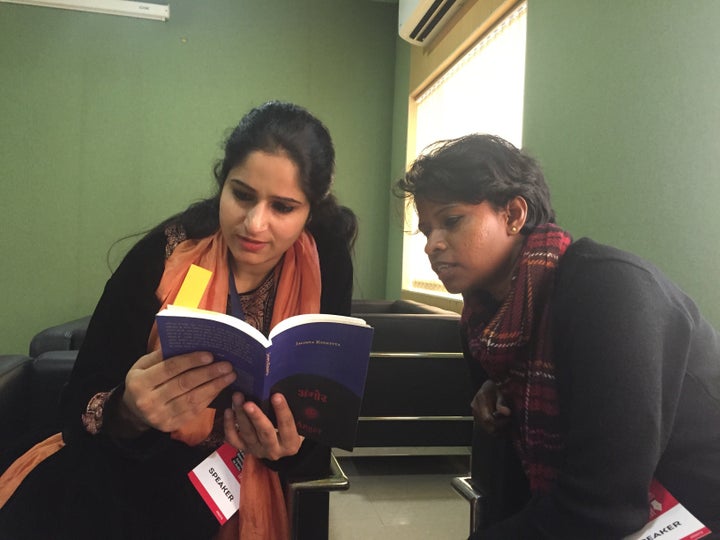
point(165, 394)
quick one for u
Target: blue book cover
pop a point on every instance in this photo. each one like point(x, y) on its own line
point(318, 362)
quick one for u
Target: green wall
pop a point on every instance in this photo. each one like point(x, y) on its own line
point(110, 124)
point(622, 107)
point(397, 170)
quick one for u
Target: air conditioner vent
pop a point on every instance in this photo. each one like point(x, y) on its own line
point(419, 21)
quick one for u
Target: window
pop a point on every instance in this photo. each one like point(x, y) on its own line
point(482, 92)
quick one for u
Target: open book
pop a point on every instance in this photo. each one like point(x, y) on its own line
point(317, 361)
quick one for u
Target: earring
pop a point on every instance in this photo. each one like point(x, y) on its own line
point(514, 229)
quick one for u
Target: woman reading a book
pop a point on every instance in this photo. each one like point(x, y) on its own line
point(278, 244)
point(601, 371)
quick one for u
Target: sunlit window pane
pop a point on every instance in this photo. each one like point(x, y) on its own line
point(481, 93)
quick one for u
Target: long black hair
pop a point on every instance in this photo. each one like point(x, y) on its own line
point(280, 127)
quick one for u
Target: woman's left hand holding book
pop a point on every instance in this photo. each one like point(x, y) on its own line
point(248, 429)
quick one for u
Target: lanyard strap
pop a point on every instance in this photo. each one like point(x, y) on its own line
point(236, 309)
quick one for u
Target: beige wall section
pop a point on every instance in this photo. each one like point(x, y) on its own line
point(427, 63)
point(446, 303)
point(110, 124)
point(467, 26)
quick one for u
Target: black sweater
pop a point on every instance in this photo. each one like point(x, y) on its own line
point(97, 487)
point(638, 372)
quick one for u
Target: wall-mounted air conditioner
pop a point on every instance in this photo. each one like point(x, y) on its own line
point(126, 8)
point(419, 21)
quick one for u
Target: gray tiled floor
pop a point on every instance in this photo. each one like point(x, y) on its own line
point(400, 498)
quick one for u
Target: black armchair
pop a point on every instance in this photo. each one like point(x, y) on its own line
point(31, 386)
point(14, 385)
point(63, 337)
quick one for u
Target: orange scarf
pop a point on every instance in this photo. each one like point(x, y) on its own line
point(22, 466)
point(513, 345)
point(262, 512)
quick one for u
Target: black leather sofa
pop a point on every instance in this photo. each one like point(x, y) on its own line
point(29, 394)
point(14, 386)
point(30, 387)
point(63, 337)
point(418, 390)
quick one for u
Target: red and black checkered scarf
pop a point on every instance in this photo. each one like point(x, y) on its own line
point(513, 344)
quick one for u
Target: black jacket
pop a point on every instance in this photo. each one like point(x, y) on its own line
point(97, 487)
point(638, 372)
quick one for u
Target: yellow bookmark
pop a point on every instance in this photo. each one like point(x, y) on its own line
point(193, 287)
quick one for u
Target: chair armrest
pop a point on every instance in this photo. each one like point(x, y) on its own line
point(496, 487)
point(50, 373)
point(62, 337)
point(14, 389)
point(15, 377)
point(336, 480)
point(474, 495)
